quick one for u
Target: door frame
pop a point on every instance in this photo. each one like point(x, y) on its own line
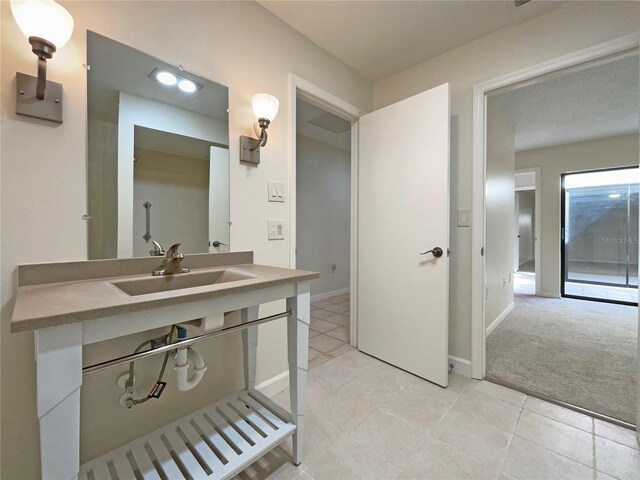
point(299, 87)
point(509, 81)
point(538, 221)
point(563, 258)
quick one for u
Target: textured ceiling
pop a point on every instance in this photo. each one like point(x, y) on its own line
point(381, 38)
point(596, 102)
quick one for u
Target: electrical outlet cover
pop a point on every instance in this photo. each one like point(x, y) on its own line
point(275, 230)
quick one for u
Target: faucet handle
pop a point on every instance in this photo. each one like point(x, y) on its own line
point(172, 252)
point(157, 251)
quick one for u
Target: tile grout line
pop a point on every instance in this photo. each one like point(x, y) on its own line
point(554, 451)
point(513, 435)
point(557, 420)
point(454, 447)
point(449, 409)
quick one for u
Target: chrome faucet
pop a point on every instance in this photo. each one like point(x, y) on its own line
point(157, 251)
point(172, 262)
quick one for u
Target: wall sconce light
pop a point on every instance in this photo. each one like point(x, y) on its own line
point(48, 26)
point(265, 108)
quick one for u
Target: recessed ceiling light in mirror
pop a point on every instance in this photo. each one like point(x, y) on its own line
point(171, 79)
point(166, 78)
point(187, 86)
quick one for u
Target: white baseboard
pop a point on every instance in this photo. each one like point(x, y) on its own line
point(500, 318)
point(460, 365)
point(549, 295)
point(322, 296)
point(274, 385)
point(525, 261)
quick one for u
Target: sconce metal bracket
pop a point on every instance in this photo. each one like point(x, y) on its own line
point(50, 108)
point(246, 153)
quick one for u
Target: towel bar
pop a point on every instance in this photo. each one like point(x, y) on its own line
point(97, 367)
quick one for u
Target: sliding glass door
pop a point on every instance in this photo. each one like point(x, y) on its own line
point(600, 235)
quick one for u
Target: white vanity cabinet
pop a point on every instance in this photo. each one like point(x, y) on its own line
point(70, 305)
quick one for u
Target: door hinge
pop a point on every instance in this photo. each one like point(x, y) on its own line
point(482, 252)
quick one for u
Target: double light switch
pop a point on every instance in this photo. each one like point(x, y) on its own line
point(276, 191)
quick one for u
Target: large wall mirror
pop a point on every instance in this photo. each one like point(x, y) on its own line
point(158, 155)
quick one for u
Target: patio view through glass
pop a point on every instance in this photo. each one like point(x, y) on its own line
point(600, 235)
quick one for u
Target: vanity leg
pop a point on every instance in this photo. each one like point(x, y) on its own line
point(298, 345)
point(59, 377)
point(249, 346)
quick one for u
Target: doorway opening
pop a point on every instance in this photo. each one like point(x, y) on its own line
point(600, 235)
point(527, 230)
point(323, 193)
point(542, 336)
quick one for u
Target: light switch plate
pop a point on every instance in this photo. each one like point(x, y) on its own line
point(275, 230)
point(464, 218)
point(275, 191)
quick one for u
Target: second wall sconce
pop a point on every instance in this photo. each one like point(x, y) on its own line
point(265, 108)
point(48, 26)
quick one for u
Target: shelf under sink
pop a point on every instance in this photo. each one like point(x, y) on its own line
point(215, 442)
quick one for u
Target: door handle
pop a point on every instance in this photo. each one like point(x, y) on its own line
point(216, 244)
point(436, 251)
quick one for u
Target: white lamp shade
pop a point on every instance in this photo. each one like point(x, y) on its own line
point(265, 106)
point(44, 19)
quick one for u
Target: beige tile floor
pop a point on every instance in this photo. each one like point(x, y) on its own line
point(329, 329)
point(368, 420)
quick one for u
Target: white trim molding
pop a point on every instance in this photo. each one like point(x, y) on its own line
point(500, 318)
point(274, 385)
point(461, 366)
point(333, 293)
point(480, 91)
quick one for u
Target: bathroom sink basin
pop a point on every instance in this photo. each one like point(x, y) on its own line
point(178, 281)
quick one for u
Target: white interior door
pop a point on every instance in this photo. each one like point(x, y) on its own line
point(403, 296)
point(516, 228)
point(218, 200)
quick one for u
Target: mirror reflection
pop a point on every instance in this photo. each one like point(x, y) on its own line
point(158, 155)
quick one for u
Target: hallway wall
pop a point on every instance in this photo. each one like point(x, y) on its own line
point(323, 211)
point(500, 213)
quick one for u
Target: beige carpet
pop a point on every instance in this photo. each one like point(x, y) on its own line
point(584, 353)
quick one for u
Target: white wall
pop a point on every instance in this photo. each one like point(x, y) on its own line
point(323, 211)
point(553, 161)
point(574, 26)
point(500, 213)
point(43, 192)
point(526, 225)
point(178, 189)
point(102, 179)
